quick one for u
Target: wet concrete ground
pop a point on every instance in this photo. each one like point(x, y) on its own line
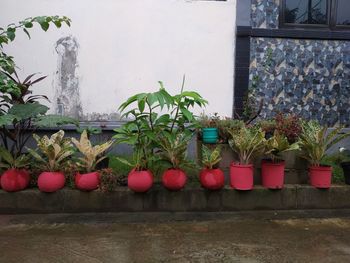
point(101, 238)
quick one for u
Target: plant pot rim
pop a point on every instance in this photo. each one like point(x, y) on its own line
point(210, 128)
point(87, 173)
point(241, 165)
point(321, 167)
point(270, 162)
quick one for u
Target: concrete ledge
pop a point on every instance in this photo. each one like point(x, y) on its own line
point(291, 197)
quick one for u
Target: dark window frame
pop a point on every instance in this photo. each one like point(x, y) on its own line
point(331, 19)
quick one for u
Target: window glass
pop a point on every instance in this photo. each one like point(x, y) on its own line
point(343, 12)
point(306, 11)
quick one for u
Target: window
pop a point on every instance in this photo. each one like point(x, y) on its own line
point(331, 14)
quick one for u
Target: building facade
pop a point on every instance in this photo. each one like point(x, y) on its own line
point(295, 56)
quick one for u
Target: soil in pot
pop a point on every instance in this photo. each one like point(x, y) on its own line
point(174, 179)
point(51, 181)
point(346, 171)
point(272, 174)
point(320, 176)
point(14, 180)
point(241, 176)
point(140, 181)
point(88, 181)
point(212, 179)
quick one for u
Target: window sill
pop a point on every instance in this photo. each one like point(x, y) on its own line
point(294, 33)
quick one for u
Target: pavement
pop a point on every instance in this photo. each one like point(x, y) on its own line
point(175, 237)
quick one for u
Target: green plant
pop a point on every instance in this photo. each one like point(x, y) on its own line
point(148, 121)
point(211, 158)
point(173, 149)
point(226, 124)
point(20, 110)
point(8, 161)
point(89, 130)
point(206, 121)
point(278, 144)
point(315, 141)
point(335, 160)
point(247, 142)
point(54, 151)
point(90, 153)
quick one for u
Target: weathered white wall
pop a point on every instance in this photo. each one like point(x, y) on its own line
point(126, 46)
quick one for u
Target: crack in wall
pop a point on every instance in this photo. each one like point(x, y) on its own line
point(66, 85)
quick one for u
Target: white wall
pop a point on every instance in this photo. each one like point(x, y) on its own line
point(126, 46)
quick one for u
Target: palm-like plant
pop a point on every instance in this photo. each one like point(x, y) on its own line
point(315, 141)
point(278, 144)
point(247, 142)
point(90, 153)
point(54, 151)
point(211, 158)
point(173, 148)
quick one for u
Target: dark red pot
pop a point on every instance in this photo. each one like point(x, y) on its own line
point(241, 176)
point(212, 179)
point(174, 179)
point(51, 181)
point(88, 181)
point(320, 176)
point(14, 180)
point(140, 181)
point(272, 174)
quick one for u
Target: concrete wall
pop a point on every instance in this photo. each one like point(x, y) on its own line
point(119, 47)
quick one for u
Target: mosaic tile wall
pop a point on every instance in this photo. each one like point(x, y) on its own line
point(307, 77)
point(264, 13)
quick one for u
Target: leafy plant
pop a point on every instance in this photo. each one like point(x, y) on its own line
point(89, 130)
point(247, 142)
point(54, 151)
point(90, 153)
point(227, 124)
point(288, 125)
point(278, 144)
point(211, 158)
point(315, 141)
point(147, 120)
point(206, 121)
point(108, 180)
point(8, 161)
point(20, 111)
point(173, 149)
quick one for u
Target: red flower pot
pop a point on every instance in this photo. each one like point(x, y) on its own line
point(320, 176)
point(174, 179)
point(14, 180)
point(51, 181)
point(272, 174)
point(140, 181)
point(241, 176)
point(88, 181)
point(212, 179)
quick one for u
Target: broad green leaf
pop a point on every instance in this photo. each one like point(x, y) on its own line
point(29, 110)
point(54, 121)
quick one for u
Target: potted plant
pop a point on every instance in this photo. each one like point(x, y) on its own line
point(209, 129)
point(314, 143)
point(152, 114)
point(211, 176)
point(246, 142)
point(54, 156)
point(173, 148)
point(90, 178)
point(272, 169)
point(16, 176)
